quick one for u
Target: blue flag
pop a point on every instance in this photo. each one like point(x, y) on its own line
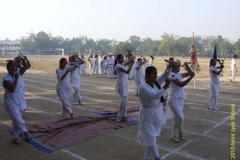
point(215, 53)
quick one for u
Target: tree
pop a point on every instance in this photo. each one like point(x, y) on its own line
point(135, 42)
point(237, 47)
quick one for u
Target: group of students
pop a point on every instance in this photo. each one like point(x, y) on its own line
point(151, 116)
point(149, 92)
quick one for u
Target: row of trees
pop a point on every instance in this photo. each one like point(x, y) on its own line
point(169, 44)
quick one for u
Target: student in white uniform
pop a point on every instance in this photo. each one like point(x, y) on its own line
point(100, 58)
point(233, 68)
point(22, 65)
point(75, 80)
point(110, 64)
point(176, 96)
point(122, 86)
point(63, 88)
point(138, 77)
point(151, 60)
point(214, 84)
point(94, 63)
point(151, 116)
point(14, 100)
point(90, 64)
point(104, 65)
point(83, 66)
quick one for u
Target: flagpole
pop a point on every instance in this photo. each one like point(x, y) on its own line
point(194, 84)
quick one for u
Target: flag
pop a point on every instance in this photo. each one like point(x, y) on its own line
point(69, 56)
point(193, 56)
point(215, 53)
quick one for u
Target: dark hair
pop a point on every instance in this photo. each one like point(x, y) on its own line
point(119, 56)
point(149, 70)
point(152, 57)
point(171, 58)
point(234, 56)
point(9, 64)
point(62, 60)
point(211, 60)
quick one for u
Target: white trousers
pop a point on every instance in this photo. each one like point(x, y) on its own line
point(110, 71)
point(66, 107)
point(233, 74)
point(176, 105)
point(76, 95)
point(149, 149)
point(17, 121)
point(123, 106)
point(214, 100)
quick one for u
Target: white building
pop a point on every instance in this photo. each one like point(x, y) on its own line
point(9, 47)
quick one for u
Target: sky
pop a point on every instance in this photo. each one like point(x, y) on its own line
point(120, 19)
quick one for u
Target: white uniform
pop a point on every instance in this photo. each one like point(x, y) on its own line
point(151, 117)
point(176, 96)
point(90, 66)
point(21, 83)
point(151, 62)
point(83, 67)
point(110, 64)
point(138, 76)
point(94, 63)
point(104, 66)
point(75, 83)
point(233, 62)
point(122, 89)
point(100, 58)
point(214, 86)
point(63, 91)
point(14, 102)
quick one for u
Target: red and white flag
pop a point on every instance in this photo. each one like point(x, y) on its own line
point(193, 56)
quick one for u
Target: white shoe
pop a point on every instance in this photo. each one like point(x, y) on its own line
point(216, 109)
point(175, 139)
point(210, 107)
point(125, 118)
point(119, 118)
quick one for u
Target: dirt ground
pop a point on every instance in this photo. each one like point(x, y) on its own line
point(208, 134)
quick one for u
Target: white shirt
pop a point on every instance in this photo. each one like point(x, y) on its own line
point(151, 110)
point(232, 63)
point(174, 90)
point(63, 86)
point(214, 77)
point(122, 80)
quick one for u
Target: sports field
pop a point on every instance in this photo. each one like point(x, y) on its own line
point(208, 134)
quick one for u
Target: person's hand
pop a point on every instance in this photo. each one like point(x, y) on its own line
point(192, 74)
point(185, 63)
point(16, 75)
point(222, 66)
point(167, 81)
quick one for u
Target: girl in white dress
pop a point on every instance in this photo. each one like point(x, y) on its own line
point(63, 88)
point(151, 117)
point(14, 100)
point(138, 76)
point(83, 66)
point(75, 79)
point(176, 96)
point(22, 66)
point(151, 60)
point(214, 83)
point(122, 86)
